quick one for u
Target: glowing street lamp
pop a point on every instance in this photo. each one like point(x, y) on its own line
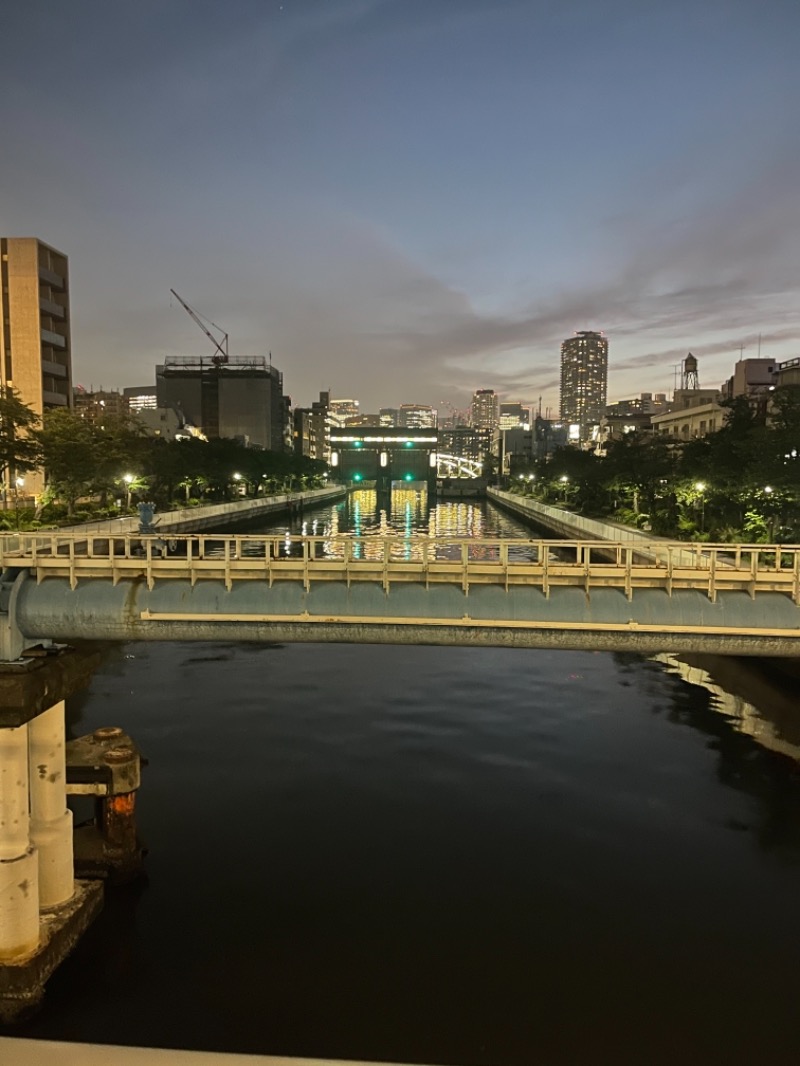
point(700, 487)
point(129, 480)
point(564, 481)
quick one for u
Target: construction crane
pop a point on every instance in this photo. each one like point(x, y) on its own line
point(221, 353)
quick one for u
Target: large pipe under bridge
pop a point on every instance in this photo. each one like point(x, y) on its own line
point(730, 599)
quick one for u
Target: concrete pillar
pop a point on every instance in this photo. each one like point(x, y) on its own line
point(51, 821)
point(19, 874)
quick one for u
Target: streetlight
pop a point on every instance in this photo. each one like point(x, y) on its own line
point(18, 483)
point(768, 490)
point(564, 480)
point(700, 486)
point(129, 480)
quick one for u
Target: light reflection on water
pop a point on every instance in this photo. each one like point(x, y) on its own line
point(360, 525)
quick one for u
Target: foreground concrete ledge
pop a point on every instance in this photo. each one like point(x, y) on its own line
point(54, 1053)
point(22, 982)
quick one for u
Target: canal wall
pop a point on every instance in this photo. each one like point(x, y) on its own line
point(213, 516)
point(567, 523)
point(573, 526)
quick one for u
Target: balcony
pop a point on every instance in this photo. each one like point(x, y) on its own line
point(54, 399)
point(48, 307)
point(51, 278)
point(55, 370)
point(53, 339)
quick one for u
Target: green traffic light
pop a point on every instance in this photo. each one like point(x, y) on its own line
point(409, 477)
point(356, 477)
point(358, 444)
point(409, 444)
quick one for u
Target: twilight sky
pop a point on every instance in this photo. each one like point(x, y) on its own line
point(406, 200)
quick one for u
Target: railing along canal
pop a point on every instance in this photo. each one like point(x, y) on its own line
point(395, 558)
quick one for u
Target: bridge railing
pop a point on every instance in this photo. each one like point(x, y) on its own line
point(395, 558)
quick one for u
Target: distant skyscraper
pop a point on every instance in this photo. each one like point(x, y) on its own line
point(484, 410)
point(416, 416)
point(584, 380)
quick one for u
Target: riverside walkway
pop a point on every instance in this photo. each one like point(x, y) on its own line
point(644, 596)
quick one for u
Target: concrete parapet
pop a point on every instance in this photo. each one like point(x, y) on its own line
point(575, 526)
point(211, 516)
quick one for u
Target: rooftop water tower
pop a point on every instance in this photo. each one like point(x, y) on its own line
point(689, 377)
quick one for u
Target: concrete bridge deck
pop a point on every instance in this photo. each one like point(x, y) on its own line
point(739, 599)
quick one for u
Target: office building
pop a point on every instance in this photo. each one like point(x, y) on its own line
point(163, 422)
point(514, 416)
point(462, 442)
point(340, 410)
point(140, 398)
point(311, 429)
point(756, 379)
point(95, 407)
point(416, 416)
point(787, 373)
point(584, 381)
point(364, 421)
point(389, 416)
point(241, 399)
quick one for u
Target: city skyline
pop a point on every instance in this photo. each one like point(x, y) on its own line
point(410, 202)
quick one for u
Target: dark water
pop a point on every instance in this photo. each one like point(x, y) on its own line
point(442, 855)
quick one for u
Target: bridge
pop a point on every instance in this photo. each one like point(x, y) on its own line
point(645, 597)
point(458, 466)
point(84, 585)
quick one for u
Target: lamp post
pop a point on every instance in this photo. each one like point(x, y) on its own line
point(18, 483)
point(700, 486)
point(129, 480)
point(768, 490)
point(564, 481)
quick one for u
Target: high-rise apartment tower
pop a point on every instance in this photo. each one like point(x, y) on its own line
point(584, 380)
point(35, 350)
point(484, 410)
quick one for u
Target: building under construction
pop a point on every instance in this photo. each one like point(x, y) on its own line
point(240, 398)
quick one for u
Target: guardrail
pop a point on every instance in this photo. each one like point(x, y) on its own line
point(395, 558)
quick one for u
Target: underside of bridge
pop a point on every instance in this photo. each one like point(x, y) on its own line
point(651, 620)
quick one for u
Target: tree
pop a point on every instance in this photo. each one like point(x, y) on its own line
point(71, 455)
point(20, 450)
point(640, 471)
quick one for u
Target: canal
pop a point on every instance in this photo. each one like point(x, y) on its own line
point(444, 855)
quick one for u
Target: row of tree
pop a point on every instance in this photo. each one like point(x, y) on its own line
point(741, 483)
point(110, 466)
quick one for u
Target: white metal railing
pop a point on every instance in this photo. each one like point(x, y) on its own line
point(395, 558)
